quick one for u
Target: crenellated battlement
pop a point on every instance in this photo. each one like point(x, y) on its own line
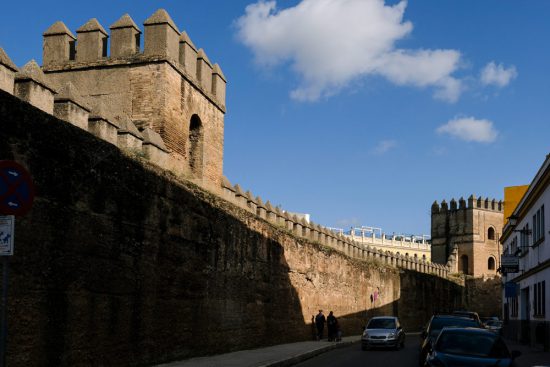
point(472, 203)
point(384, 250)
point(160, 81)
point(162, 41)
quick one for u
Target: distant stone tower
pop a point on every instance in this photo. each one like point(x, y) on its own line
point(472, 230)
point(169, 86)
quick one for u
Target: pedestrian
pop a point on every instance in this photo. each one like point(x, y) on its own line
point(331, 326)
point(320, 323)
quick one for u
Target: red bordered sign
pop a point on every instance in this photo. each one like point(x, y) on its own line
point(16, 189)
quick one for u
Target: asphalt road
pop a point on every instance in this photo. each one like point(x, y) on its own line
point(353, 356)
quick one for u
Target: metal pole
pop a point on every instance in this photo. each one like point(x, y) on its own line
point(3, 320)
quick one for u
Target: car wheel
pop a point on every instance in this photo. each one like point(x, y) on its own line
point(364, 347)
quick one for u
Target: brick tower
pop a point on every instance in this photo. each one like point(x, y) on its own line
point(168, 86)
point(473, 228)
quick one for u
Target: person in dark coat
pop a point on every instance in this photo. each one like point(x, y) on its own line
point(332, 324)
point(320, 323)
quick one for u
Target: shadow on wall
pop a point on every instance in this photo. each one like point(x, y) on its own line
point(117, 265)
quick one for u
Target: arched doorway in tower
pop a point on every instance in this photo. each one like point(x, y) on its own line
point(464, 264)
point(491, 263)
point(491, 233)
point(195, 147)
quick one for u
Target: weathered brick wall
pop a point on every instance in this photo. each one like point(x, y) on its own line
point(485, 248)
point(119, 263)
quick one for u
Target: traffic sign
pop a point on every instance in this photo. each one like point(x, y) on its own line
point(7, 223)
point(16, 189)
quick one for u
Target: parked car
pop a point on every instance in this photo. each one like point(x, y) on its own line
point(468, 314)
point(494, 325)
point(383, 331)
point(434, 327)
point(485, 319)
point(469, 347)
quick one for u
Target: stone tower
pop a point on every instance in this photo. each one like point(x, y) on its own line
point(472, 228)
point(166, 85)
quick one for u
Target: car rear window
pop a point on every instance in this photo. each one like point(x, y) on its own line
point(381, 324)
point(471, 344)
point(439, 323)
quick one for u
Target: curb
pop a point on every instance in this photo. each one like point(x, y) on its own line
point(302, 357)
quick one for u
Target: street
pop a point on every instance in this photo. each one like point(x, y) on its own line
point(353, 356)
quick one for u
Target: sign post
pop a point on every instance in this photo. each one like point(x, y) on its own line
point(16, 196)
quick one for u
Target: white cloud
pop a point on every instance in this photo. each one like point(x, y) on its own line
point(498, 75)
point(384, 146)
point(470, 129)
point(331, 43)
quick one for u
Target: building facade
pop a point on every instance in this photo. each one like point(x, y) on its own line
point(465, 235)
point(417, 247)
point(526, 295)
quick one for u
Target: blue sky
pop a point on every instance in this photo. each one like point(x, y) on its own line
point(358, 112)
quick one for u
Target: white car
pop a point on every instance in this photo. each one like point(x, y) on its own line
point(383, 331)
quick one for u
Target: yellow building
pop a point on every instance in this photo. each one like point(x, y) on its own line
point(512, 197)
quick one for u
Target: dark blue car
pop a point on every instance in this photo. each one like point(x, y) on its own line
point(470, 347)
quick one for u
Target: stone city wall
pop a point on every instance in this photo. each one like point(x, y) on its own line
point(120, 262)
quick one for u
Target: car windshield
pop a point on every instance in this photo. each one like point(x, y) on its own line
point(381, 324)
point(493, 323)
point(471, 344)
point(439, 323)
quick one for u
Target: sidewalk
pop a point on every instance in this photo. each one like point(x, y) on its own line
point(529, 356)
point(275, 356)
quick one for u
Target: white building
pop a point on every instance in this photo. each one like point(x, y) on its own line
point(526, 298)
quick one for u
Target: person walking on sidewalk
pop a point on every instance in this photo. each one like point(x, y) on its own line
point(331, 326)
point(320, 323)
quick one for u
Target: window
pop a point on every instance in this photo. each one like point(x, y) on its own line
point(491, 263)
point(538, 226)
point(104, 45)
point(137, 39)
point(195, 145)
point(514, 245)
point(72, 50)
point(524, 240)
point(539, 298)
point(491, 233)
point(513, 306)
